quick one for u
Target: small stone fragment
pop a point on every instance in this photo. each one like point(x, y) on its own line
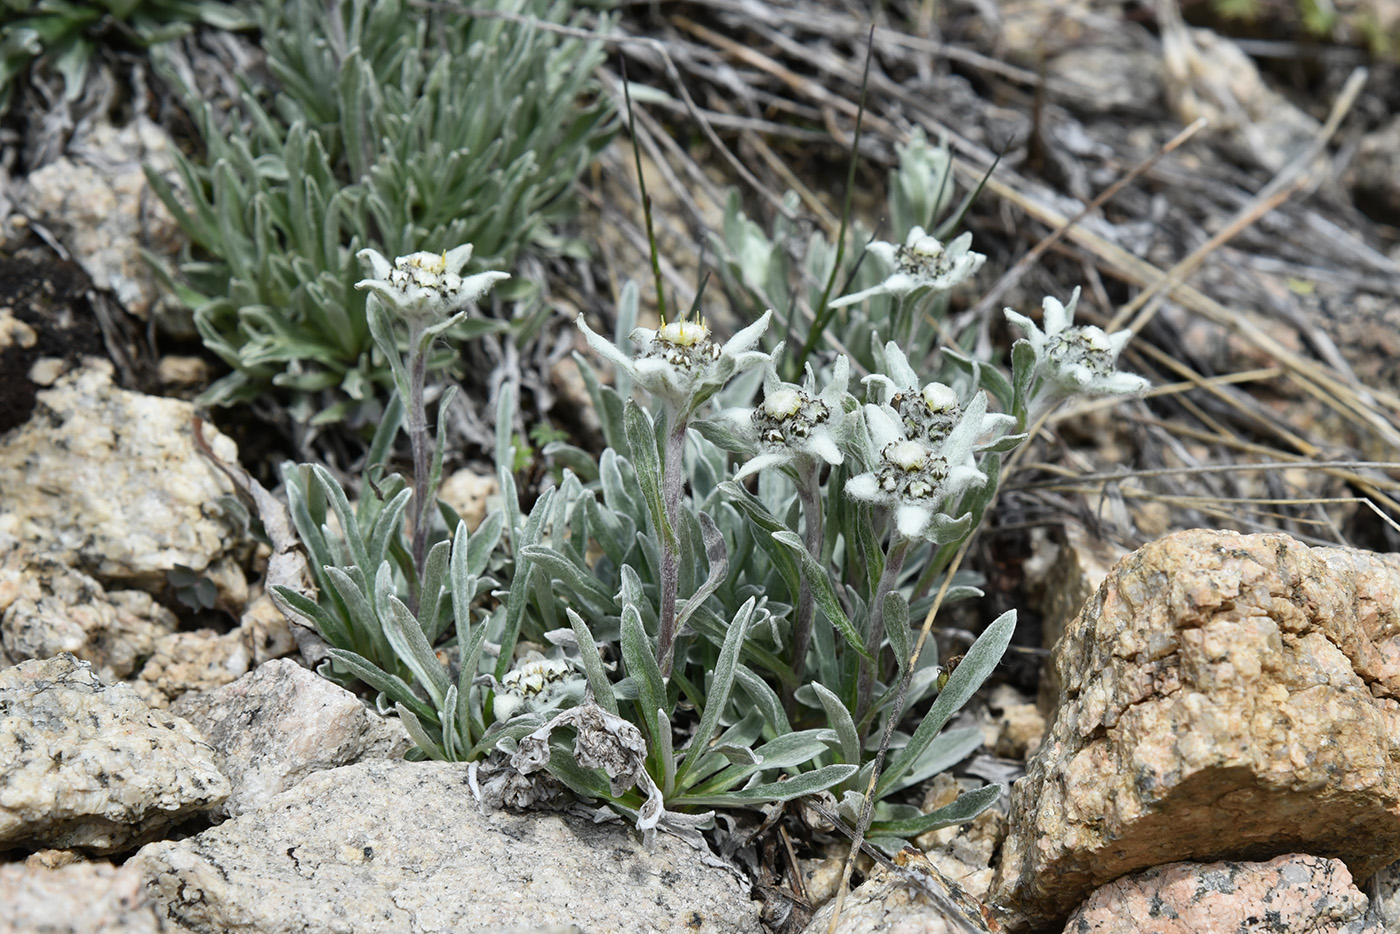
point(384, 847)
point(88, 765)
point(278, 724)
point(1013, 726)
point(914, 898)
point(77, 898)
point(110, 482)
point(470, 494)
point(192, 661)
point(821, 878)
point(1287, 894)
point(266, 629)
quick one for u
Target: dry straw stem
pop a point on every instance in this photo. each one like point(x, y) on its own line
point(1357, 404)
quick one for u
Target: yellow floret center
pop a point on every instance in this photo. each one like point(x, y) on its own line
point(683, 333)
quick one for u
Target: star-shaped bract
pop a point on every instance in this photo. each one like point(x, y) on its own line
point(680, 362)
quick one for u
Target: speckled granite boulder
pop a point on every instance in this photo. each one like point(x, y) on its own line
point(47, 607)
point(110, 482)
point(87, 765)
point(1286, 895)
point(384, 847)
point(1224, 696)
point(279, 723)
point(78, 898)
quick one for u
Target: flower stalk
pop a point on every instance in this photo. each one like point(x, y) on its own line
point(682, 366)
point(428, 293)
point(875, 636)
point(672, 487)
point(809, 494)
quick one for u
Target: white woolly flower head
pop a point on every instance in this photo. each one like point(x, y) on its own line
point(927, 411)
point(1077, 359)
point(921, 262)
point(680, 361)
point(914, 478)
point(795, 423)
point(536, 683)
point(426, 287)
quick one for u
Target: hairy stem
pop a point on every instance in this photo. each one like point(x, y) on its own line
point(865, 684)
point(809, 493)
point(672, 486)
point(418, 440)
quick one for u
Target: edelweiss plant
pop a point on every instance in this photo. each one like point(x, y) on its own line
point(921, 263)
point(714, 612)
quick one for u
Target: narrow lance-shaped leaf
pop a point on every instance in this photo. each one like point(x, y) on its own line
point(718, 557)
point(640, 658)
point(806, 783)
point(396, 688)
point(433, 575)
point(839, 719)
point(897, 627)
point(721, 684)
point(449, 726)
point(409, 643)
point(345, 514)
point(965, 808)
point(646, 461)
point(592, 664)
point(419, 735)
point(976, 665)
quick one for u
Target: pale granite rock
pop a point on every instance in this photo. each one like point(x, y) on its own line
point(1063, 574)
point(110, 482)
point(47, 607)
point(192, 661)
point(963, 853)
point(913, 899)
point(87, 765)
point(1286, 895)
point(471, 494)
point(402, 848)
point(96, 199)
point(78, 898)
point(279, 723)
point(1225, 696)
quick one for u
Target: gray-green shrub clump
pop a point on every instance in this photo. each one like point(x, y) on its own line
point(389, 127)
point(65, 36)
